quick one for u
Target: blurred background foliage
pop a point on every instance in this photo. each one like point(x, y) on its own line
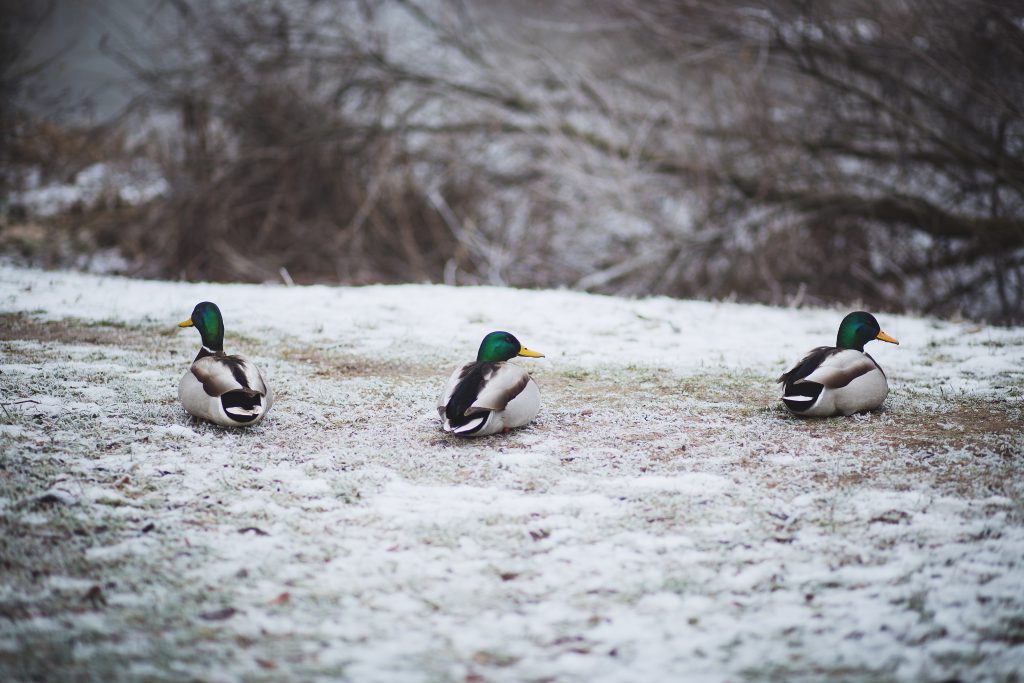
point(862, 152)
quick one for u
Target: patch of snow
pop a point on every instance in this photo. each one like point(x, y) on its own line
point(18, 369)
point(133, 183)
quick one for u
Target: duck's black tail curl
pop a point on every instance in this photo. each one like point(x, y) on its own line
point(800, 396)
point(243, 406)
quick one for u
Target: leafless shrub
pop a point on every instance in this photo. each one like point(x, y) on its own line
point(876, 150)
point(779, 151)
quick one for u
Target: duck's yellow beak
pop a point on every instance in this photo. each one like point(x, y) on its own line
point(884, 337)
point(187, 323)
point(523, 351)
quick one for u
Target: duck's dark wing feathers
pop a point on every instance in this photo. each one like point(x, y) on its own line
point(459, 409)
point(808, 364)
point(482, 387)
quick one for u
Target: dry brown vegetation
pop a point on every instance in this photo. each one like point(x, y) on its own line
point(783, 151)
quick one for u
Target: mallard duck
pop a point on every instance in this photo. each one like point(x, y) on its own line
point(489, 395)
point(840, 379)
point(227, 390)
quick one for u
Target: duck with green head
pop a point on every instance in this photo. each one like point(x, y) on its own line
point(840, 379)
point(490, 395)
point(227, 390)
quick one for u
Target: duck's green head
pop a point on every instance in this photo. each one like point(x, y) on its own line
point(499, 346)
point(857, 329)
point(207, 319)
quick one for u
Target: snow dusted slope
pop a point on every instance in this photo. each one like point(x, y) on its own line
point(428, 323)
point(662, 520)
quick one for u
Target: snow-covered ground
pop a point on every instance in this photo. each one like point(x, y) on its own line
point(662, 519)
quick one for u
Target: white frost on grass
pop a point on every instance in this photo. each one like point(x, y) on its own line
point(428, 323)
point(661, 520)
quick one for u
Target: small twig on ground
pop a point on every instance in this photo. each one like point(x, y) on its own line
point(14, 403)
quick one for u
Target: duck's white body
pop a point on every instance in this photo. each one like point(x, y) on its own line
point(834, 382)
point(227, 390)
point(497, 396)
